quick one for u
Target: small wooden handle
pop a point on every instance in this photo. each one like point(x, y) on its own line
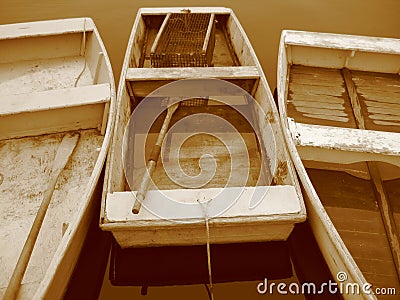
point(144, 186)
point(151, 165)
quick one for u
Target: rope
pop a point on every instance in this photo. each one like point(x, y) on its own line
point(84, 52)
point(211, 289)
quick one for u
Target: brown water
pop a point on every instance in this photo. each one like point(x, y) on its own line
point(263, 22)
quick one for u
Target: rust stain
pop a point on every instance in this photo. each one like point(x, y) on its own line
point(281, 173)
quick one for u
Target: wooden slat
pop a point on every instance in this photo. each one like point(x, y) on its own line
point(270, 204)
point(144, 74)
point(41, 28)
point(183, 218)
point(355, 103)
point(164, 10)
point(335, 90)
point(54, 99)
point(315, 104)
point(389, 106)
point(345, 139)
point(342, 41)
point(146, 80)
point(54, 111)
point(321, 99)
point(328, 111)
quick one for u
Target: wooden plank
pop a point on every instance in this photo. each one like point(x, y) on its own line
point(144, 74)
point(390, 90)
point(165, 10)
point(341, 190)
point(41, 48)
point(146, 80)
point(316, 98)
point(159, 34)
point(342, 41)
point(41, 28)
point(54, 111)
point(358, 170)
point(55, 99)
point(321, 111)
point(315, 104)
point(239, 41)
point(315, 72)
point(378, 104)
point(268, 220)
point(355, 103)
point(364, 78)
point(384, 117)
point(208, 34)
point(269, 199)
point(345, 139)
point(335, 91)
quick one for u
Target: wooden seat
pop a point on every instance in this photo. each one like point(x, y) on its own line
point(52, 111)
point(145, 80)
point(248, 214)
point(345, 145)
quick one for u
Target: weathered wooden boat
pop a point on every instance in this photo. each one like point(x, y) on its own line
point(339, 101)
point(151, 77)
point(58, 96)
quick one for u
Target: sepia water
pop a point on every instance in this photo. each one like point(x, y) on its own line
point(262, 21)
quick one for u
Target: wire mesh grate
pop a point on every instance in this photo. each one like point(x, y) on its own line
point(185, 40)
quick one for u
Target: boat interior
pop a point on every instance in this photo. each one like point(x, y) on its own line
point(53, 79)
point(191, 146)
point(351, 97)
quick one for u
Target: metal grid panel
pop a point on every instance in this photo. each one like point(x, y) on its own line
point(182, 41)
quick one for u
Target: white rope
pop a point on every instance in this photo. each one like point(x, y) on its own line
point(83, 45)
point(204, 208)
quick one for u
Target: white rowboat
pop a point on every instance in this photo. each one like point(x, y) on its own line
point(180, 220)
point(55, 79)
point(339, 101)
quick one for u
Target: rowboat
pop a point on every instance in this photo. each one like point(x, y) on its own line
point(339, 102)
point(199, 62)
point(58, 96)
